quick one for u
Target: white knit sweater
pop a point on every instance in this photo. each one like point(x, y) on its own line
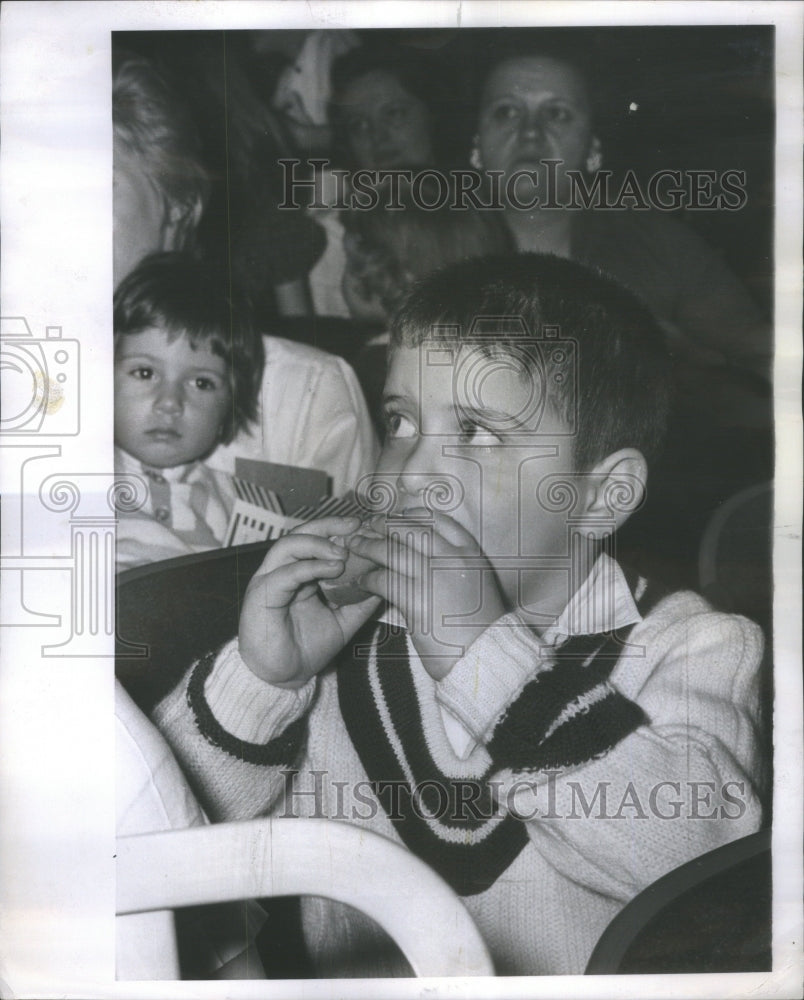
point(618, 769)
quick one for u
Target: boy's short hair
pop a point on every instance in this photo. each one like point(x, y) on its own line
point(153, 123)
point(623, 367)
point(174, 293)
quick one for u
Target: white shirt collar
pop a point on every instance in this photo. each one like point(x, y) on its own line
point(602, 603)
point(125, 463)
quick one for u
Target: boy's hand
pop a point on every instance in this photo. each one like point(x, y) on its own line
point(465, 586)
point(287, 632)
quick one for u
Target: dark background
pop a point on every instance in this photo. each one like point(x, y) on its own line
point(704, 100)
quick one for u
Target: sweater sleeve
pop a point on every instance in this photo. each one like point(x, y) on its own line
point(234, 734)
point(621, 779)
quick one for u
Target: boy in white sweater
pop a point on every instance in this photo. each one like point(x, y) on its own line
point(548, 731)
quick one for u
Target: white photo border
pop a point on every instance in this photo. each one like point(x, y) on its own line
point(56, 721)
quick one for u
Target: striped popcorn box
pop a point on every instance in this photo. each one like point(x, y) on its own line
point(257, 515)
point(345, 506)
point(252, 523)
point(258, 496)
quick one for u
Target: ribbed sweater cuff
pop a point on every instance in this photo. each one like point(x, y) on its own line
point(249, 708)
point(491, 674)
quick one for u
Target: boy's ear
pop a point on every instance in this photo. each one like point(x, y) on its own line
point(617, 486)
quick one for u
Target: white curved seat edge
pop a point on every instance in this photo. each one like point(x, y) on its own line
point(306, 857)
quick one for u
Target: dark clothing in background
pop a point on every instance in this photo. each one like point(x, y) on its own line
point(720, 433)
point(682, 280)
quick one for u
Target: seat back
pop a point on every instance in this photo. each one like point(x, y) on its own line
point(176, 610)
point(310, 857)
point(735, 573)
point(734, 564)
point(712, 914)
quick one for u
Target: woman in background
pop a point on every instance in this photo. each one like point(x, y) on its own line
point(387, 112)
point(537, 105)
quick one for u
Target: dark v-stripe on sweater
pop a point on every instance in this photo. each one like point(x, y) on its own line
point(568, 714)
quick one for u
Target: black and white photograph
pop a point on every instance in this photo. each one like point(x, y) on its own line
point(401, 493)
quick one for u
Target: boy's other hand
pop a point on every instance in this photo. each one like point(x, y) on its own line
point(287, 632)
point(434, 598)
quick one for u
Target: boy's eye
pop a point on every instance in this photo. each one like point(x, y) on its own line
point(142, 372)
point(477, 435)
point(399, 426)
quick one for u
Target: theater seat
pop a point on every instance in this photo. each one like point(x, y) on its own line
point(157, 872)
point(734, 562)
point(175, 611)
point(712, 914)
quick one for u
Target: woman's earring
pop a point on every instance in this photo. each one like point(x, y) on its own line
point(474, 157)
point(594, 161)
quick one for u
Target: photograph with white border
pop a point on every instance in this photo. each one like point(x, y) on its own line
point(304, 307)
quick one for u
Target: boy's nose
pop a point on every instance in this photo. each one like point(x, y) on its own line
point(411, 490)
point(418, 475)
